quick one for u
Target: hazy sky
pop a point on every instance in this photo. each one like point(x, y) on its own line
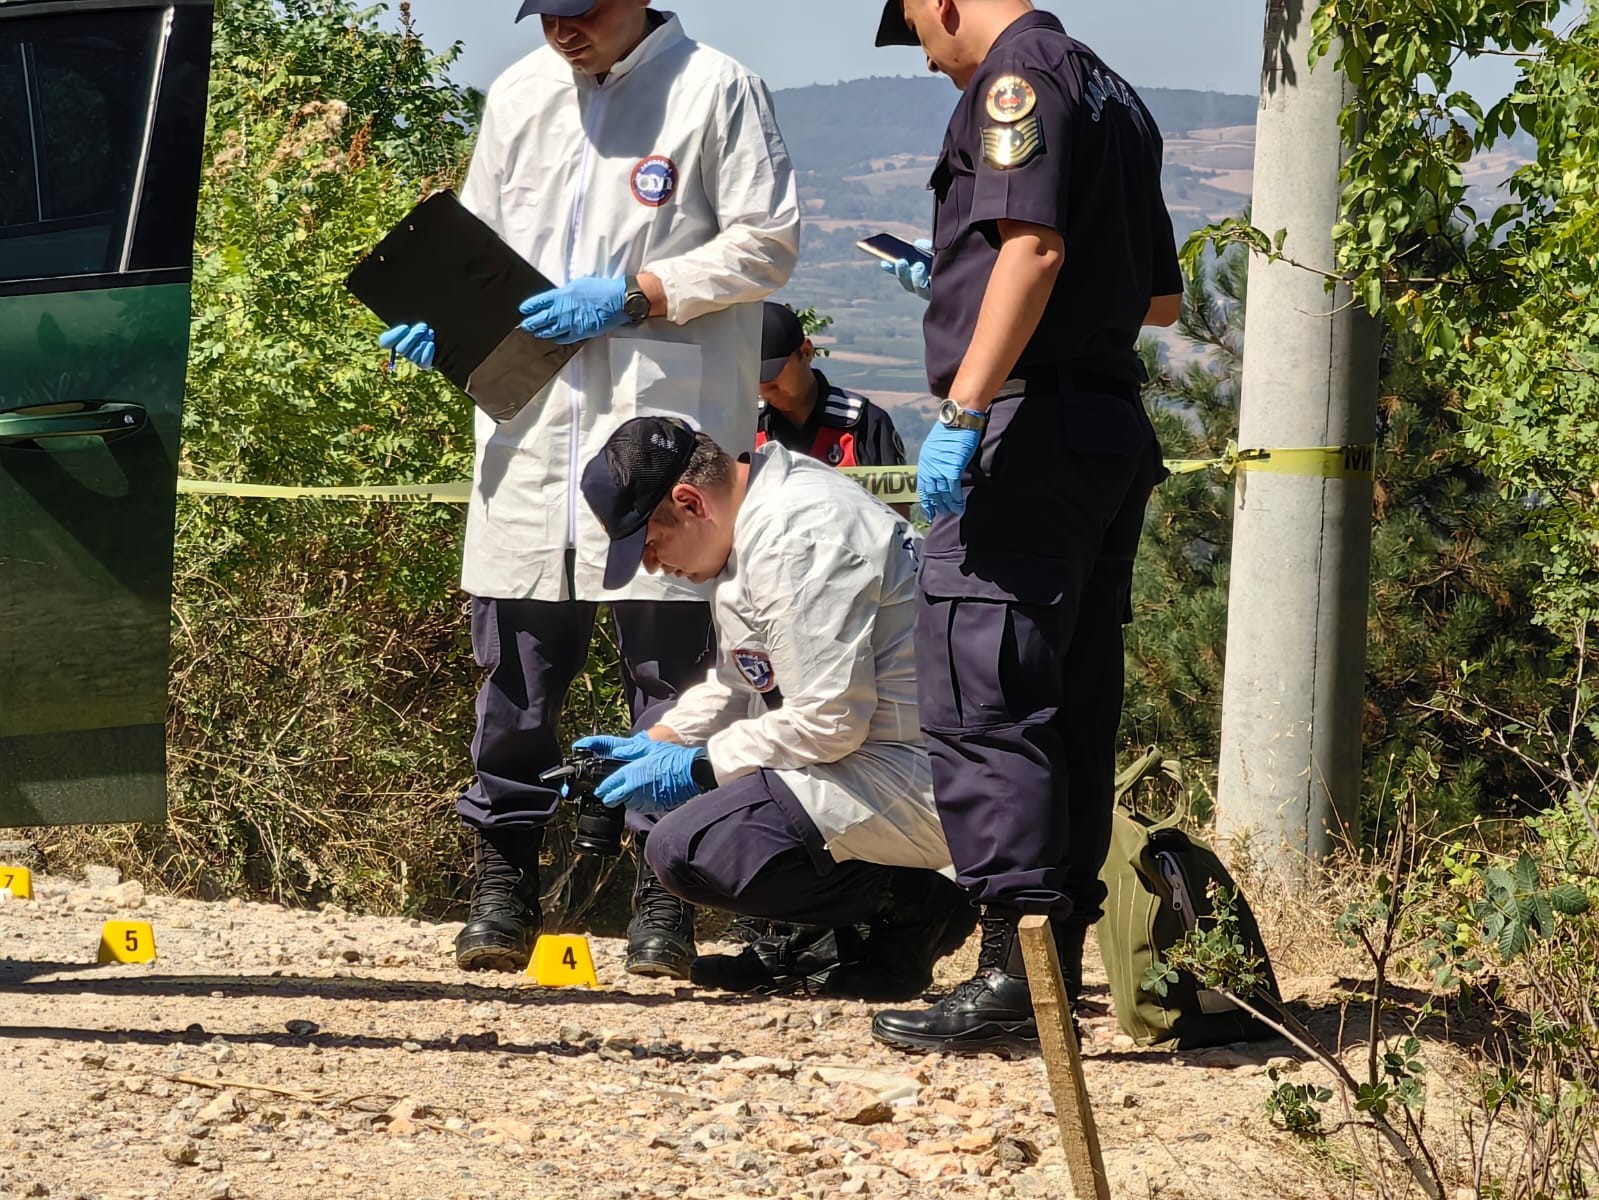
point(1214, 45)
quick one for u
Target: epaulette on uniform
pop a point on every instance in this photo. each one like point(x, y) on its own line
point(841, 409)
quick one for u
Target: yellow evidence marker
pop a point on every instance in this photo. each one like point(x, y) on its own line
point(18, 881)
point(562, 960)
point(127, 942)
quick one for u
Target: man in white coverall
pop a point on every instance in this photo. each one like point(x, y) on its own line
point(794, 778)
point(645, 171)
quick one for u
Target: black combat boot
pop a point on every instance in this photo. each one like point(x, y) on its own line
point(795, 961)
point(1069, 942)
point(660, 937)
point(924, 917)
point(505, 917)
point(992, 1012)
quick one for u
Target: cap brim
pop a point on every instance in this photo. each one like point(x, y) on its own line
point(771, 368)
point(555, 8)
point(892, 30)
point(622, 560)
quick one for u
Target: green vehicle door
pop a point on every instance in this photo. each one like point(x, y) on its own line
point(102, 110)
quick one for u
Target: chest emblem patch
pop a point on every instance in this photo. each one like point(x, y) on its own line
point(654, 180)
point(756, 666)
point(1010, 99)
point(1007, 146)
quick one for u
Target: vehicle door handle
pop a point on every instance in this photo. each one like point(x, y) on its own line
point(94, 418)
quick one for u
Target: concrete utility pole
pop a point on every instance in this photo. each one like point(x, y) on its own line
point(1301, 564)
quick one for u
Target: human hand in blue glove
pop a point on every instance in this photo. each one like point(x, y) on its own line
point(914, 276)
point(662, 779)
point(414, 343)
point(583, 309)
point(944, 458)
point(617, 749)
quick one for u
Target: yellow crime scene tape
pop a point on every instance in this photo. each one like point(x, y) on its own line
point(436, 493)
point(893, 485)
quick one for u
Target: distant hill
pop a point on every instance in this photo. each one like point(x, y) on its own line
point(828, 126)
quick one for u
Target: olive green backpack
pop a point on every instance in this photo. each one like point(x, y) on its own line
point(1159, 881)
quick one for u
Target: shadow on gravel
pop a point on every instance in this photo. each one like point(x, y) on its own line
point(474, 1043)
point(21, 976)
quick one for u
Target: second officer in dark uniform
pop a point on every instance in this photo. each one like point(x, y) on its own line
point(804, 412)
point(1052, 246)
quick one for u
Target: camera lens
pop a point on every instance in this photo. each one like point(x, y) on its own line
point(599, 829)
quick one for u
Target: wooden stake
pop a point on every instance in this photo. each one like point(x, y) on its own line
point(1079, 1137)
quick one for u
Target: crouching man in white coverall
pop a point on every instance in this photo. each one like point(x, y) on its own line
point(793, 781)
point(644, 173)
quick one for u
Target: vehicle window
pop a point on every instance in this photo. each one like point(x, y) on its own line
point(74, 101)
point(164, 238)
point(19, 200)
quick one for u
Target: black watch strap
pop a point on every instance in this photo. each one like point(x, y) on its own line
point(703, 774)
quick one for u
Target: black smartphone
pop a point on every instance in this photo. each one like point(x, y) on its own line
point(891, 249)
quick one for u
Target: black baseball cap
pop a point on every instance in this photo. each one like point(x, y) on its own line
point(627, 481)
point(781, 335)
point(556, 8)
point(892, 30)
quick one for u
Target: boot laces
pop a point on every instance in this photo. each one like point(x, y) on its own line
point(657, 906)
point(993, 956)
point(497, 884)
point(996, 944)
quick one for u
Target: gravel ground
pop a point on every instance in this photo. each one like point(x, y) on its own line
point(277, 1053)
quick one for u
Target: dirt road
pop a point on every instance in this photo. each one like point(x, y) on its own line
point(271, 1053)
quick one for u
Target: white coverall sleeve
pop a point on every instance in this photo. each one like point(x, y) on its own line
point(816, 608)
point(481, 192)
point(710, 705)
point(747, 174)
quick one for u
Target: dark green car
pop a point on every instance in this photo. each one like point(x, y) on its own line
point(102, 112)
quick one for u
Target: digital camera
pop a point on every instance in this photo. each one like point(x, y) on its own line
point(599, 828)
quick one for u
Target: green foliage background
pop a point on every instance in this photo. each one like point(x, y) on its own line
point(323, 680)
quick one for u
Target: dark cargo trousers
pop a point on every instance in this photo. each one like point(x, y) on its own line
point(532, 651)
point(750, 848)
point(1019, 645)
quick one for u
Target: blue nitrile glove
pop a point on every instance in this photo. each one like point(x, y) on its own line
point(583, 309)
point(661, 780)
point(617, 749)
point(945, 456)
point(913, 277)
point(414, 343)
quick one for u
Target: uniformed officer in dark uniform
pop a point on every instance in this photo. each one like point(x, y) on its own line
point(1052, 246)
point(805, 413)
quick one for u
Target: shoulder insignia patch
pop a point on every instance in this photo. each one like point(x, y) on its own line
point(1007, 146)
point(756, 666)
point(1010, 99)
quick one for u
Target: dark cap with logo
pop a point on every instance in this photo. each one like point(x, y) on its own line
point(781, 335)
point(557, 8)
point(892, 30)
point(627, 481)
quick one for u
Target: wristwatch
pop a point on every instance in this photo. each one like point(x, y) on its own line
point(635, 304)
point(953, 416)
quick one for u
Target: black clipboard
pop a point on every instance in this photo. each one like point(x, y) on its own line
point(443, 266)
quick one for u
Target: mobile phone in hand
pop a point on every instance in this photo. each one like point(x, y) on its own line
point(891, 249)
